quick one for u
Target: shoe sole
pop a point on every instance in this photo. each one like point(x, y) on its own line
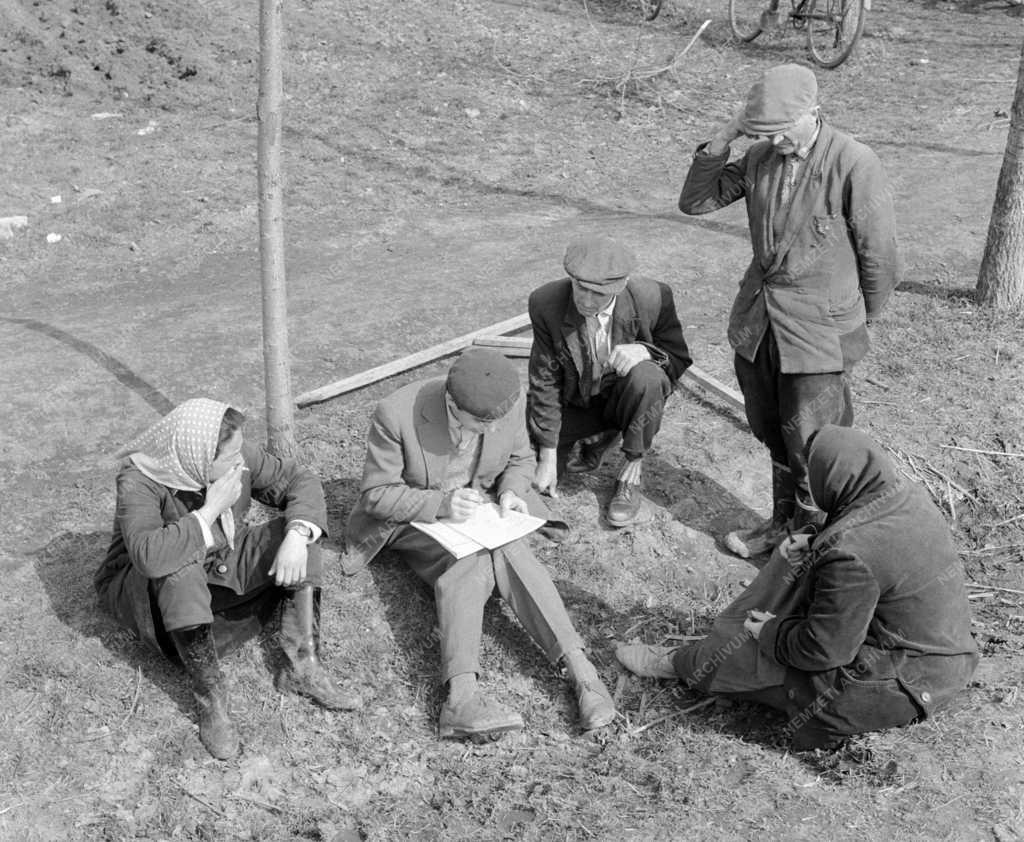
point(486, 735)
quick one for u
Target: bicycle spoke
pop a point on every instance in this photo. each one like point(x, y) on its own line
point(833, 27)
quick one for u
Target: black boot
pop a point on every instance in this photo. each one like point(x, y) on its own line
point(300, 640)
point(198, 654)
point(761, 539)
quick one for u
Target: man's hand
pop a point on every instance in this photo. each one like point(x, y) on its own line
point(545, 478)
point(624, 357)
point(755, 622)
point(289, 566)
point(463, 502)
point(728, 133)
point(222, 493)
point(512, 502)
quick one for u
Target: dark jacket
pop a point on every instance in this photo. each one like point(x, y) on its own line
point(644, 313)
point(886, 602)
point(835, 263)
point(155, 534)
point(407, 452)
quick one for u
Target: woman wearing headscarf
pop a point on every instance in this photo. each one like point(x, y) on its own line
point(861, 627)
point(189, 576)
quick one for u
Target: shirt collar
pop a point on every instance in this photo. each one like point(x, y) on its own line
point(608, 309)
point(805, 150)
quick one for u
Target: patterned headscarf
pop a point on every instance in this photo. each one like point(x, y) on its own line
point(177, 450)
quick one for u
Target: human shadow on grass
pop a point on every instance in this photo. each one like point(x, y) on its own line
point(689, 496)
point(65, 567)
point(410, 611)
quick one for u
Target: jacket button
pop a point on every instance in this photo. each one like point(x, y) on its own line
point(791, 693)
point(926, 697)
point(222, 568)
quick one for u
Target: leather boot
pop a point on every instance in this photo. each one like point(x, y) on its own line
point(596, 707)
point(765, 537)
point(196, 648)
point(300, 639)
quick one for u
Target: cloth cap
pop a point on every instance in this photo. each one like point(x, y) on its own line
point(599, 263)
point(483, 383)
point(779, 98)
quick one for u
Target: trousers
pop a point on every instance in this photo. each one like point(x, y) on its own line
point(633, 405)
point(784, 410)
point(463, 586)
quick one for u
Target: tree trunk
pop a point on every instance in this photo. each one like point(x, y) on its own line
point(277, 374)
point(1001, 279)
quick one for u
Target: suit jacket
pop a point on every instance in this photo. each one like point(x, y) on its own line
point(644, 313)
point(407, 451)
point(834, 264)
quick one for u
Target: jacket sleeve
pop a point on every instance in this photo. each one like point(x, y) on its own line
point(286, 485)
point(868, 207)
point(385, 494)
point(156, 549)
point(712, 182)
point(669, 346)
point(844, 594)
point(518, 473)
point(547, 377)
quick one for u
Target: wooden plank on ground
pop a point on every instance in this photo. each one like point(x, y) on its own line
point(428, 355)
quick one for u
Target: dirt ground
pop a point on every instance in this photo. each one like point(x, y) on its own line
point(438, 157)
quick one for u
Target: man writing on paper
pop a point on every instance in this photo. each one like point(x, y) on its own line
point(437, 449)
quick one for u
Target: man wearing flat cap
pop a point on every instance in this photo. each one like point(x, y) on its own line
point(607, 352)
point(438, 449)
point(820, 213)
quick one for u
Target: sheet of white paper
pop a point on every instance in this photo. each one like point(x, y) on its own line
point(488, 527)
point(455, 542)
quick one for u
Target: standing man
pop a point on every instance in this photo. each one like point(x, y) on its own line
point(438, 449)
point(820, 213)
point(608, 350)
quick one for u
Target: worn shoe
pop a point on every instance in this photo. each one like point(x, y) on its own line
point(199, 656)
point(624, 507)
point(591, 453)
point(477, 717)
point(300, 641)
point(595, 702)
point(309, 678)
point(748, 543)
point(646, 660)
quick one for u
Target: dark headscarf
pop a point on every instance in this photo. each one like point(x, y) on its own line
point(846, 470)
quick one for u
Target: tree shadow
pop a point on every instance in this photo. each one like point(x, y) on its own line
point(967, 294)
point(65, 566)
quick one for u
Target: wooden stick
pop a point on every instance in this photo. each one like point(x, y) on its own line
point(488, 337)
point(993, 588)
point(429, 355)
point(985, 452)
point(702, 704)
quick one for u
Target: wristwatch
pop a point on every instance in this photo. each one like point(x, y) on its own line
point(302, 529)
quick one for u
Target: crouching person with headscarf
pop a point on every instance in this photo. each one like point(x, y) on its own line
point(862, 627)
point(187, 575)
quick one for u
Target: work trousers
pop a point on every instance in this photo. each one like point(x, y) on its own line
point(821, 708)
point(462, 587)
point(784, 410)
point(633, 405)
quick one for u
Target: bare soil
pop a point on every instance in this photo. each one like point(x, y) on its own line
point(438, 158)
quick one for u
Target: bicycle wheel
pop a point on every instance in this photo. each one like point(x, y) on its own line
point(745, 18)
point(650, 8)
point(833, 27)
